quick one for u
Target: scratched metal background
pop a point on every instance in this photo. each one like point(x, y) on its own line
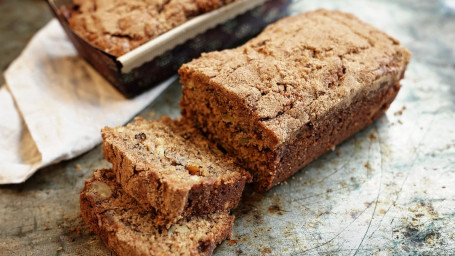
point(389, 190)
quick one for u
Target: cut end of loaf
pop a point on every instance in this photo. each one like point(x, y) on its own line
point(293, 92)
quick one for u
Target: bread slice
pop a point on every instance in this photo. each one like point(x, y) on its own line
point(168, 166)
point(128, 229)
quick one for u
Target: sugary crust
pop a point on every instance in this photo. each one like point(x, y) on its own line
point(127, 229)
point(119, 26)
point(330, 131)
point(297, 72)
point(172, 196)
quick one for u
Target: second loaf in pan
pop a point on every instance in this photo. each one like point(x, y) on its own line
point(304, 85)
point(118, 27)
point(171, 169)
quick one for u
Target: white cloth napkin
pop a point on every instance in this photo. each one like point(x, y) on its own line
point(54, 105)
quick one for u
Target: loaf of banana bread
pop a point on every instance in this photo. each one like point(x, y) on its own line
point(169, 167)
point(304, 85)
point(128, 229)
point(119, 26)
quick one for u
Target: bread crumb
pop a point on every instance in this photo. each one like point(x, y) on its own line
point(59, 249)
point(339, 152)
point(400, 112)
point(266, 250)
point(232, 242)
point(373, 137)
point(78, 167)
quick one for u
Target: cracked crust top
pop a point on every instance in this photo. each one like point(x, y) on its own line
point(301, 67)
point(119, 26)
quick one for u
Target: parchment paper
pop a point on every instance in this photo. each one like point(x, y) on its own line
point(54, 105)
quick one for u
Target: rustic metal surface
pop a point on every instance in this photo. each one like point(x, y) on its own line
point(389, 190)
point(18, 22)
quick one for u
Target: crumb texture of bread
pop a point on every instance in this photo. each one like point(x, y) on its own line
point(168, 166)
point(305, 84)
point(128, 229)
point(119, 26)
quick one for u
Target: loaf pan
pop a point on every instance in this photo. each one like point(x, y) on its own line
point(158, 59)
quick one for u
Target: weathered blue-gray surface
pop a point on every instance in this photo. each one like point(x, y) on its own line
point(389, 190)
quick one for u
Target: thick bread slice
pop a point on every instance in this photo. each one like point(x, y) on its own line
point(168, 166)
point(128, 229)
